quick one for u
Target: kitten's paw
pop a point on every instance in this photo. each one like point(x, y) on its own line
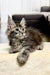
point(40, 47)
point(22, 59)
point(13, 51)
point(10, 51)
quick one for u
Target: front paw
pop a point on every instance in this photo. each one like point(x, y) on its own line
point(13, 51)
point(21, 59)
point(40, 47)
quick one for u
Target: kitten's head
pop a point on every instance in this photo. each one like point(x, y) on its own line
point(15, 31)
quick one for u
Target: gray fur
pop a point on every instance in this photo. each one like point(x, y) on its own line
point(23, 39)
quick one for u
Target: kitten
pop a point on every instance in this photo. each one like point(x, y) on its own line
point(23, 39)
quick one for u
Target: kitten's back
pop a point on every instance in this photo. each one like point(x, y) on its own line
point(35, 35)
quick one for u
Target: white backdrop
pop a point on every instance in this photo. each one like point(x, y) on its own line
point(0, 8)
point(4, 11)
point(9, 7)
point(44, 2)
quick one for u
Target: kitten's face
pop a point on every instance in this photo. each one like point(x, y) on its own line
point(16, 32)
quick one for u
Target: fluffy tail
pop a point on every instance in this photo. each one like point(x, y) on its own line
point(22, 57)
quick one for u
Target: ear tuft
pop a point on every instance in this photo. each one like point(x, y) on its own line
point(11, 23)
point(23, 22)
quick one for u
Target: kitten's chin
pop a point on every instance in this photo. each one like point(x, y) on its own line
point(21, 37)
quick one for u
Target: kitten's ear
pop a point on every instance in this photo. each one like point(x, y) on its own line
point(23, 22)
point(11, 23)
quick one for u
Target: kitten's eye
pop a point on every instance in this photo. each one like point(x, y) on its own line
point(17, 29)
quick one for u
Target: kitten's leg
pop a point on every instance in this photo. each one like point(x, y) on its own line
point(22, 57)
point(40, 47)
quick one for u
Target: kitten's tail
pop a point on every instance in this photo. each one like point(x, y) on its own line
point(22, 57)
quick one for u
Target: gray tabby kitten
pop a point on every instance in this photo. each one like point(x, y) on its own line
point(23, 39)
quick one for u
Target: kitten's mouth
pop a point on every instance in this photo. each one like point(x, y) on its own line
point(20, 37)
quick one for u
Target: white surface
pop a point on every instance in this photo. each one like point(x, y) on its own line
point(37, 64)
